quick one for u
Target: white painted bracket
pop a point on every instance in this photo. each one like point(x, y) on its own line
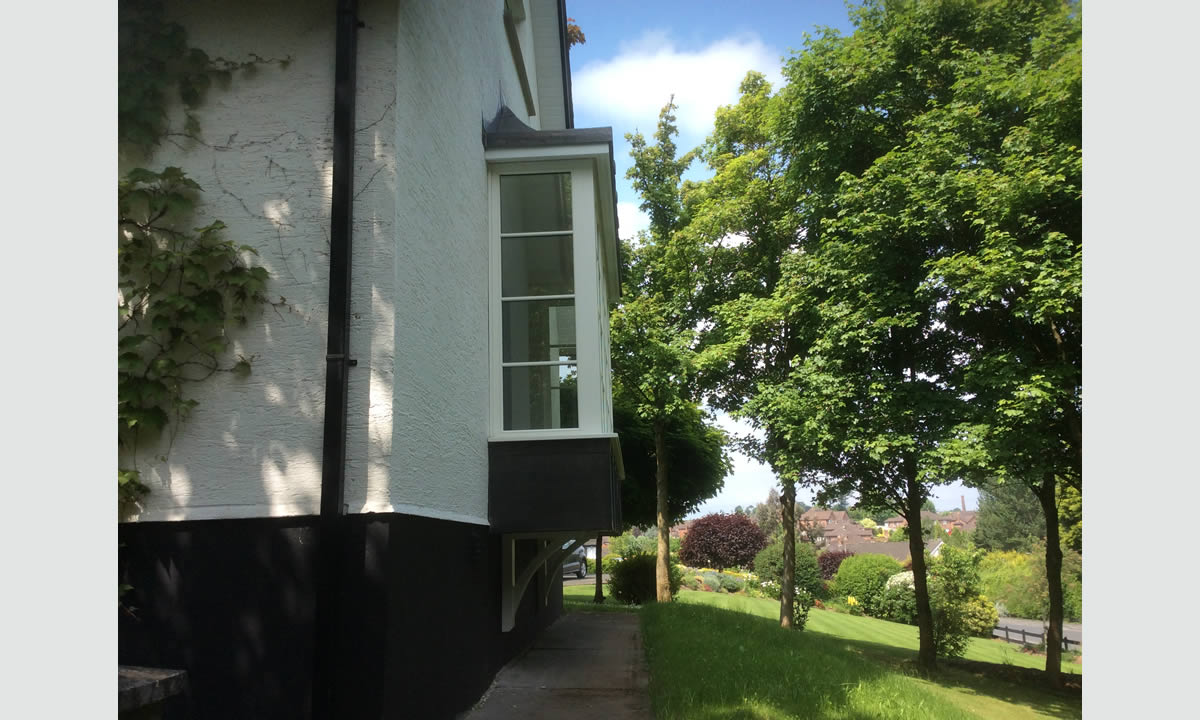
point(515, 580)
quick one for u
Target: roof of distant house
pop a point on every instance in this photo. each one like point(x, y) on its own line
point(896, 550)
point(826, 516)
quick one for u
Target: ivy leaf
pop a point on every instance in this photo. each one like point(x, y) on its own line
point(242, 368)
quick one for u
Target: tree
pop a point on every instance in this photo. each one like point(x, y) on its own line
point(1010, 518)
point(575, 36)
point(1070, 517)
point(651, 331)
point(933, 155)
point(1014, 285)
point(767, 514)
point(744, 228)
point(721, 540)
point(695, 452)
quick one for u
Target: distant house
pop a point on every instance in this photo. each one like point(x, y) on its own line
point(964, 520)
point(927, 518)
point(896, 550)
point(841, 534)
point(824, 518)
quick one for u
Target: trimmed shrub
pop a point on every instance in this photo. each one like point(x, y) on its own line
point(953, 587)
point(730, 584)
point(768, 565)
point(633, 579)
point(864, 578)
point(721, 540)
point(899, 601)
point(981, 617)
point(830, 560)
point(608, 562)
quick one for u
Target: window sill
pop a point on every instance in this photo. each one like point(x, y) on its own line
point(519, 435)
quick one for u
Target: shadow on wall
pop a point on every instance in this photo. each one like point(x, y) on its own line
point(233, 598)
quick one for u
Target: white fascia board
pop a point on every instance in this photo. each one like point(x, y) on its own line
point(592, 151)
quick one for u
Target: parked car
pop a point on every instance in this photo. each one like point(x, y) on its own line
point(576, 562)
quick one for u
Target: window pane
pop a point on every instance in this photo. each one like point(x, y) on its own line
point(537, 266)
point(535, 203)
point(539, 330)
point(541, 397)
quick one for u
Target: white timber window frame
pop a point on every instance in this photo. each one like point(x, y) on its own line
point(594, 409)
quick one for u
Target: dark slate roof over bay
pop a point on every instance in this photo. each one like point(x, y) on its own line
point(507, 131)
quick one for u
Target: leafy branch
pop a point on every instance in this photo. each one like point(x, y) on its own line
point(180, 290)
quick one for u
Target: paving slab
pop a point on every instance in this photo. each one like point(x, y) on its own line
point(585, 666)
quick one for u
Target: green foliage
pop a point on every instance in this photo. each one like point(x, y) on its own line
point(980, 617)
point(1008, 578)
point(156, 67)
point(1018, 582)
point(181, 290)
point(1070, 517)
point(768, 567)
point(899, 601)
point(1010, 517)
point(632, 581)
point(768, 514)
point(864, 577)
point(608, 563)
point(954, 594)
point(696, 453)
point(627, 544)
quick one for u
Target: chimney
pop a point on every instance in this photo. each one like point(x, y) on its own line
point(964, 502)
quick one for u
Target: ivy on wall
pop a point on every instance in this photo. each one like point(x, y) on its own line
point(181, 289)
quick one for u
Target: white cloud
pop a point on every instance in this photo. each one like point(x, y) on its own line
point(632, 87)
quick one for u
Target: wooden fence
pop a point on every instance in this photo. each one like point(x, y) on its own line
point(1010, 635)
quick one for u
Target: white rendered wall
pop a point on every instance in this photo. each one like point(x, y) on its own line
point(253, 446)
point(429, 76)
point(447, 88)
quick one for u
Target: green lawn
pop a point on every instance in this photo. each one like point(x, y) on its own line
point(892, 638)
point(580, 598)
point(713, 655)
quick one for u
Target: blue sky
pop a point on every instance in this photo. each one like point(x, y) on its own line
point(636, 56)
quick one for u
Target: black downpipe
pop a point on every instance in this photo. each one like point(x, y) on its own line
point(337, 363)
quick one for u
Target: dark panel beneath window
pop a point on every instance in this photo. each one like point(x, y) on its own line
point(553, 486)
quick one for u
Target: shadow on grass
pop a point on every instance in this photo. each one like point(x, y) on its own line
point(1008, 683)
point(711, 663)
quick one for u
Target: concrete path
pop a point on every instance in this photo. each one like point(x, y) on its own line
point(586, 666)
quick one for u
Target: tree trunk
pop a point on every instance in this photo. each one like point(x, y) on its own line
point(599, 598)
point(662, 570)
point(1054, 631)
point(787, 591)
point(927, 653)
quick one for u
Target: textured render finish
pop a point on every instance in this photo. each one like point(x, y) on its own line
point(447, 88)
point(373, 285)
point(253, 446)
point(428, 76)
